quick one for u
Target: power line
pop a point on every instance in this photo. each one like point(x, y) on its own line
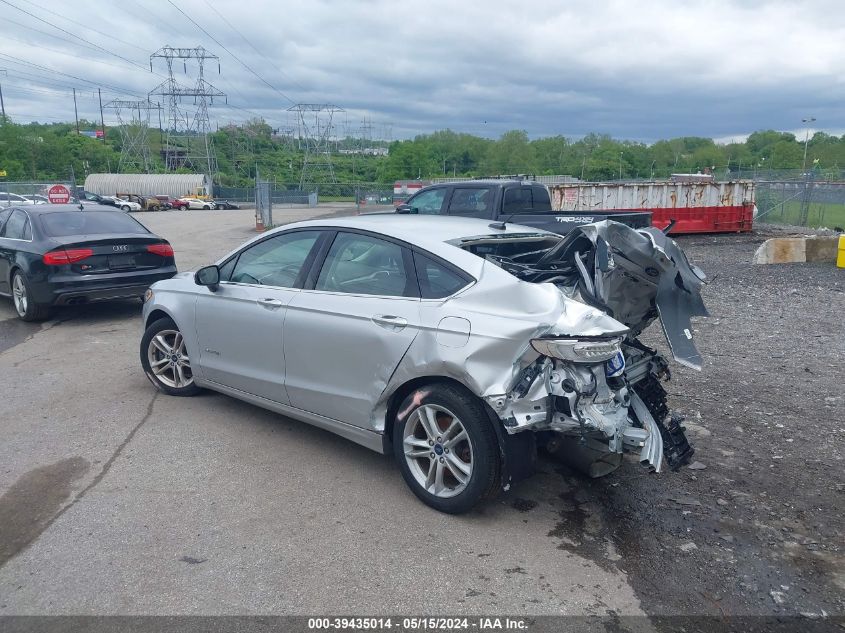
point(243, 37)
point(238, 59)
point(105, 50)
point(18, 60)
point(52, 92)
point(47, 33)
point(86, 26)
point(61, 52)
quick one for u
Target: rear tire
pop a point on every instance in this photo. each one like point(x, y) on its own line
point(446, 448)
point(165, 359)
point(124, 208)
point(25, 307)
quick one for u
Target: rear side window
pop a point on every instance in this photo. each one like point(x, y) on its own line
point(4, 215)
point(64, 223)
point(475, 202)
point(364, 265)
point(436, 280)
point(518, 200)
point(526, 200)
point(15, 228)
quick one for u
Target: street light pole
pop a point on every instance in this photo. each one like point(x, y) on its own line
point(620, 165)
point(806, 122)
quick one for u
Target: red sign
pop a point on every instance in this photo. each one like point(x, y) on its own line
point(58, 194)
point(99, 133)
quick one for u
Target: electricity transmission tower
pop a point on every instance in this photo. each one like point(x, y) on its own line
point(316, 132)
point(133, 119)
point(188, 143)
point(366, 135)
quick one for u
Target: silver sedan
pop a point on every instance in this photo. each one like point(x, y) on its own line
point(406, 335)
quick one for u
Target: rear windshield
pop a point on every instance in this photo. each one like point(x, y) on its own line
point(521, 247)
point(62, 223)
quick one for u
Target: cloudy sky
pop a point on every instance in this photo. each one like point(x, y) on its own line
point(637, 70)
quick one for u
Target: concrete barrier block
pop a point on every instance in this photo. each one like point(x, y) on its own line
point(781, 250)
point(790, 250)
point(822, 248)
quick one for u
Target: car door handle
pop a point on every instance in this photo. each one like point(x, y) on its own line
point(390, 322)
point(270, 303)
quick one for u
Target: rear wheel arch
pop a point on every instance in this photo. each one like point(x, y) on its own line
point(398, 397)
point(517, 453)
point(14, 268)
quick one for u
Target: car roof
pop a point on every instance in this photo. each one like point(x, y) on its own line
point(430, 232)
point(435, 234)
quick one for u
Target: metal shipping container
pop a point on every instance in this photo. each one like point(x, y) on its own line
point(698, 207)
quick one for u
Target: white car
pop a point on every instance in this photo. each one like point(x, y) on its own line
point(196, 203)
point(7, 199)
point(126, 205)
point(38, 199)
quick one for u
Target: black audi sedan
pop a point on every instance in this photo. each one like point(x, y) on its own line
point(60, 254)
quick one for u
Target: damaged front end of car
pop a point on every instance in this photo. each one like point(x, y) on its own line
point(593, 391)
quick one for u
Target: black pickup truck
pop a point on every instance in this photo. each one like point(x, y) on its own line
point(518, 201)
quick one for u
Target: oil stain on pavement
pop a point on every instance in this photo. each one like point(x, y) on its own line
point(14, 331)
point(31, 504)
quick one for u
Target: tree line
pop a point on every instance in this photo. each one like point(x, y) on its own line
point(44, 152)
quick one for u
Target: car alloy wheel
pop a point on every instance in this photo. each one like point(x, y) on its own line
point(168, 359)
point(438, 451)
point(19, 296)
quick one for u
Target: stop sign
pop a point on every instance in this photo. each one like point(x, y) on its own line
point(58, 194)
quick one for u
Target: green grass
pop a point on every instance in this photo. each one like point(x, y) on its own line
point(337, 198)
point(822, 214)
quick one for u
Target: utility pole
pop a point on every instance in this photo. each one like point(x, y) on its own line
point(806, 123)
point(2, 105)
point(102, 118)
point(75, 112)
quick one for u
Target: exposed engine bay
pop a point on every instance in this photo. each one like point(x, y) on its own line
point(591, 389)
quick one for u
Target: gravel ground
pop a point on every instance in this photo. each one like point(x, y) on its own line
point(755, 527)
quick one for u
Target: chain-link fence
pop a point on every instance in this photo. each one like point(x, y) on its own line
point(808, 202)
point(34, 192)
point(365, 195)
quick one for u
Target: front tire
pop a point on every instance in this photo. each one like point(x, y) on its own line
point(165, 359)
point(124, 208)
point(25, 307)
point(446, 448)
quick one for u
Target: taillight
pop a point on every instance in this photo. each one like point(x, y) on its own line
point(66, 256)
point(165, 250)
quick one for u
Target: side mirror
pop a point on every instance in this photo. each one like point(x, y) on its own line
point(403, 208)
point(208, 276)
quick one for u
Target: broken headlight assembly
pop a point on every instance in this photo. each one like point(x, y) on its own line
point(578, 350)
